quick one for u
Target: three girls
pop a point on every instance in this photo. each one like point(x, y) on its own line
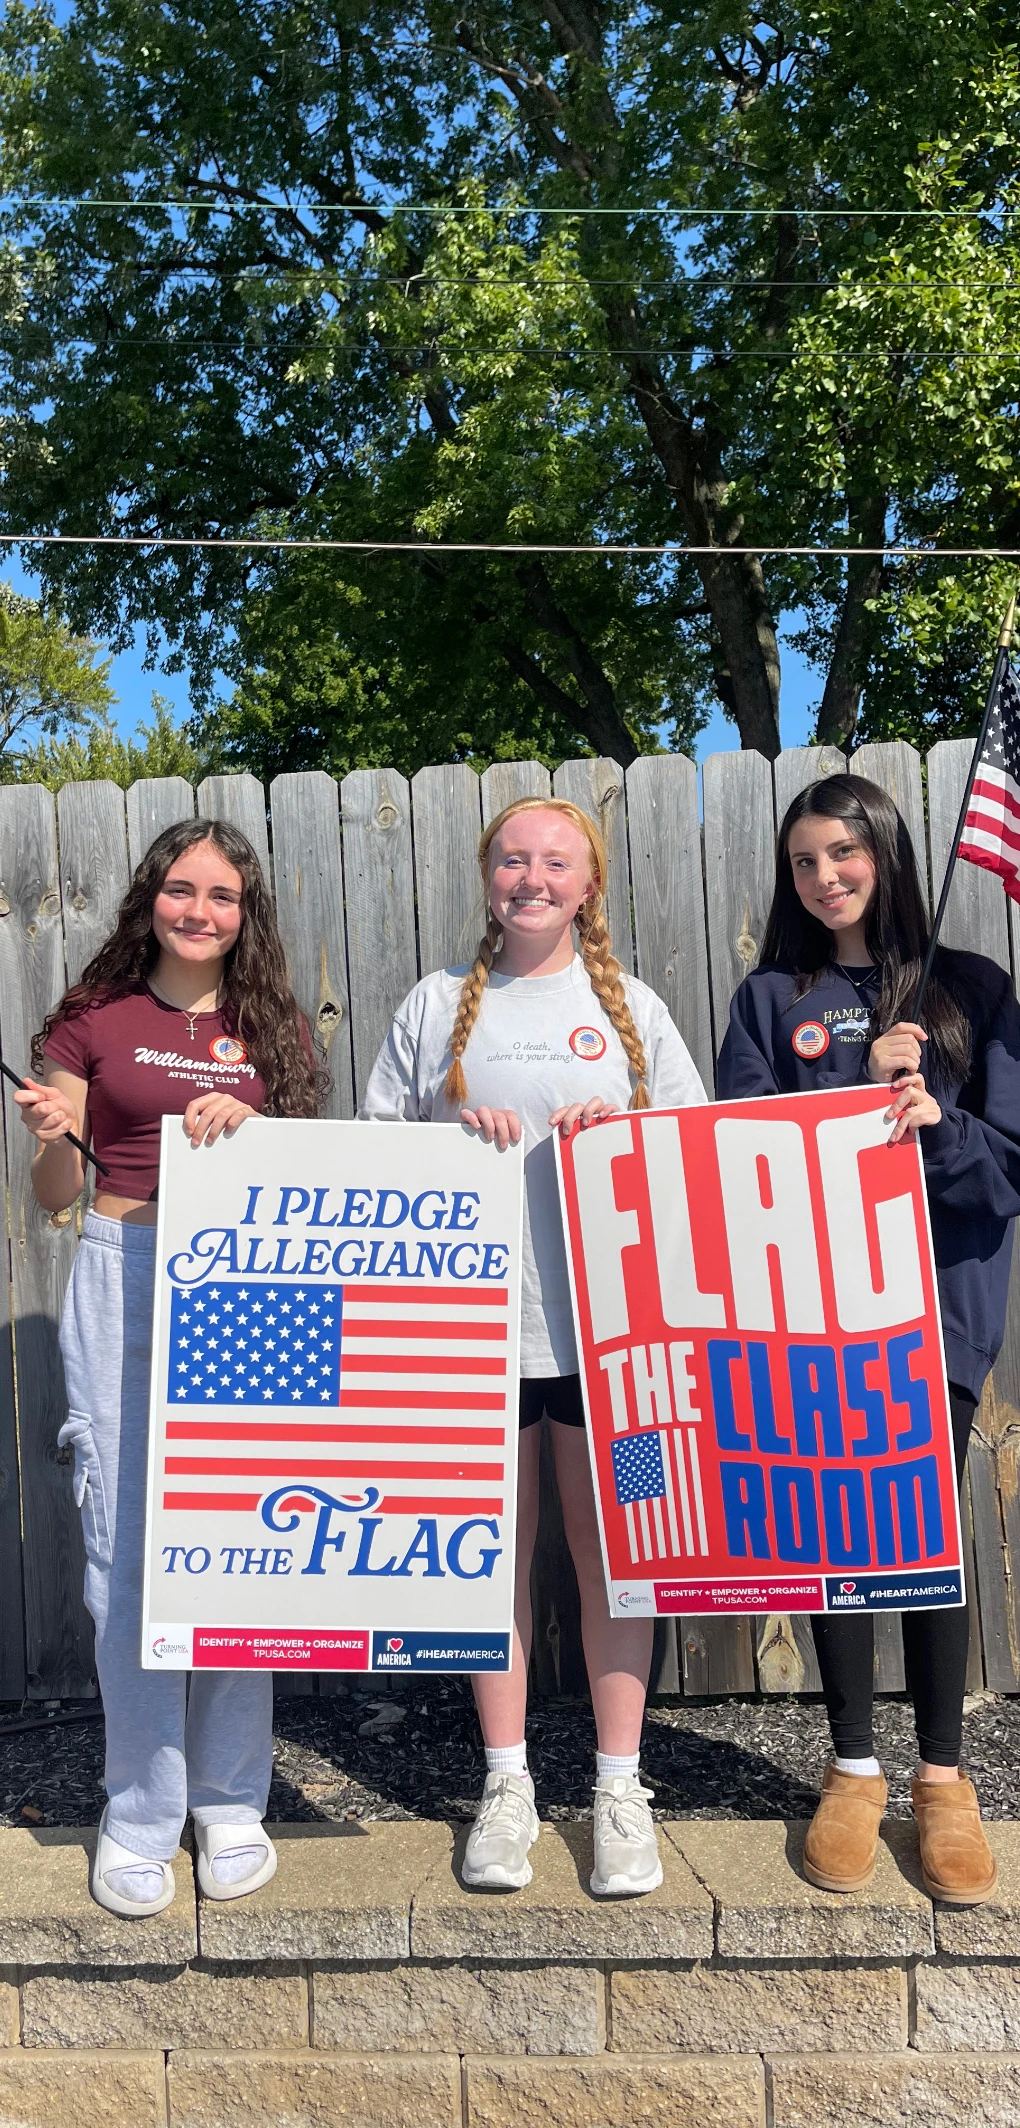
point(830, 1005)
point(535, 1036)
point(186, 1010)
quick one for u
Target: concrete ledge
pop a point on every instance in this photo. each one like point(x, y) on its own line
point(165, 2006)
point(993, 1930)
point(644, 2093)
point(47, 1915)
point(367, 1988)
point(338, 1893)
point(61, 2090)
point(901, 2091)
point(459, 2009)
point(764, 1907)
point(759, 2009)
point(304, 2091)
point(557, 1916)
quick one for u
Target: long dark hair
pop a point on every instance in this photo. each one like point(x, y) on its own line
point(896, 925)
point(257, 1001)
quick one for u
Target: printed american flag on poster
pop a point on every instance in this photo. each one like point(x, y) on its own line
point(418, 1382)
point(991, 832)
point(652, 1475)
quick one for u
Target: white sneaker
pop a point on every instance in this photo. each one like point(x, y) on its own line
point(505, 1828)
point(626, 1855)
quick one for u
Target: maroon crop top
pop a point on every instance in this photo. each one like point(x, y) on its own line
point(141, 1064)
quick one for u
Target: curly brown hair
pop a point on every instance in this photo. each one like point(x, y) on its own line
point(256, 999)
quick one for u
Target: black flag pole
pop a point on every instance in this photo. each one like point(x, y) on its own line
point(999, 672)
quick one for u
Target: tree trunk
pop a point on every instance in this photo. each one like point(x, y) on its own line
point(844, 686)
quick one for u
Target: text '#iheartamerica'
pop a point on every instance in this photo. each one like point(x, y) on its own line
point(417, 1382)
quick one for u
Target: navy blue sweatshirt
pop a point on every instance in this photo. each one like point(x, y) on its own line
point(779, 1043)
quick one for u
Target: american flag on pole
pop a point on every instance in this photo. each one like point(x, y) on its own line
point(991, 832)
point(272, 1382)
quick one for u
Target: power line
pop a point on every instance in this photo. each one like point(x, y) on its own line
point(895, 552)
point(723, 354)
point(396, 207)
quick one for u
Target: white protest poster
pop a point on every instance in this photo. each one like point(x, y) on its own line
point(333, 1426)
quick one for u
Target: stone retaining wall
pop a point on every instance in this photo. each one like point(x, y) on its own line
point(365, 1987)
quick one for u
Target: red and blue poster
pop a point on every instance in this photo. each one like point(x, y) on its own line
point(761, 1353)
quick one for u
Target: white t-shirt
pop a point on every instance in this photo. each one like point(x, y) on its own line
point(538, 1043)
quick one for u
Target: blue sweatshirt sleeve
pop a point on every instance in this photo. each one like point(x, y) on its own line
point(972, 1158)
point(745, 1059)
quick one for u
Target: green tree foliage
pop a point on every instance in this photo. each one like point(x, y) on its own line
point(98, 752)
point(258, 362)
point(49, 679)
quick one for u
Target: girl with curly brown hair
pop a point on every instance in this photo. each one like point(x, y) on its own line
point(186, 1010)
point(535, 1037)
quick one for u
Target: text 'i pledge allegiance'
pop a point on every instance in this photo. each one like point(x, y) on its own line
point(291, 1231)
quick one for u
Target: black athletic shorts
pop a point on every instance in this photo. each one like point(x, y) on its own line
point(558, 1394)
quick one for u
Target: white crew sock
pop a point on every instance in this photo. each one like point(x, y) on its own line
point(857, 1765)
point(609, 1765)
point(233, 1863)
point(507, 1758)
point(136, 1882)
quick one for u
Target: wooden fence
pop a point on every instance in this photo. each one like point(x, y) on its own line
point(375, 882)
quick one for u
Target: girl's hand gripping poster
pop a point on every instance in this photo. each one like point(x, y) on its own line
point(761, 1352)
point(333, 1432)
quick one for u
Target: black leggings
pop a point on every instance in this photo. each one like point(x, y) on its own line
point(934, 1655)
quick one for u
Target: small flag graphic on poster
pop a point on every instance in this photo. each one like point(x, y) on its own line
point(637, 1468)
point(644, 1487)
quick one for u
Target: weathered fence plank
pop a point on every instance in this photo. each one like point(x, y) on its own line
point(155, 803)
point(896, 768)
point(308, 869)
point(57, 1630)
point(975, 919)
point(597, 788)
point(446, 815)
point(93, 867)
point(669, 897)
point(798, 766)
point(381, 957)
point(506, 781)
point(242, 801)
point(739, 871)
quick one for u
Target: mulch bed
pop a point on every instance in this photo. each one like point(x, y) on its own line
point(421, 1757)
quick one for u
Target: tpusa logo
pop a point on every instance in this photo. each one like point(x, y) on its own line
point(635, 1600)
point(164, 1648)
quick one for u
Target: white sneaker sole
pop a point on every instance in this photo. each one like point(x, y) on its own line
point(621, 1887)
point(494, 1877)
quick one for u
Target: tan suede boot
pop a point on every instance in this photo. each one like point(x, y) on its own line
point(842, 1840)
point(957, 1864)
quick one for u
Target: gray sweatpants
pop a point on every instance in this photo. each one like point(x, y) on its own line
point(168, 1749)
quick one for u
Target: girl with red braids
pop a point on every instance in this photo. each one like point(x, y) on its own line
point(534, 1037)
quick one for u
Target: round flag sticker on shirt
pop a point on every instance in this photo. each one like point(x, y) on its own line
point(810, 1040)
point(226, 1049)
point(588, 1043)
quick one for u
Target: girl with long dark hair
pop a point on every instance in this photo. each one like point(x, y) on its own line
point(186, 1010)
point(830, 1005)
